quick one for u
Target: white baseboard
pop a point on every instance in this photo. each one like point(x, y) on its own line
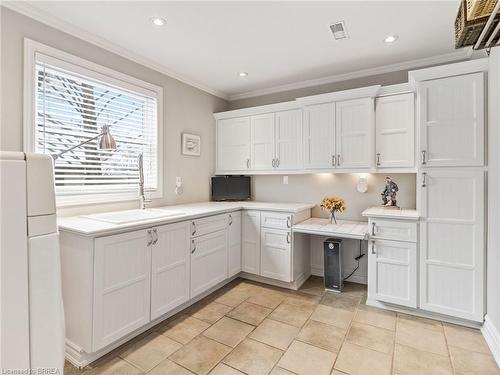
point(422, 313)
point(492, 337)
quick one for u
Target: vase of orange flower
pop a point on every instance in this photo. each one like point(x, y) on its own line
point(333, 205)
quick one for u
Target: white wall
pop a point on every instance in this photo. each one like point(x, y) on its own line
point(493, 256)
point(314, 187)
point(185, 108)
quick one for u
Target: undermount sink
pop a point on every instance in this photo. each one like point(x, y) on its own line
point(130, 216)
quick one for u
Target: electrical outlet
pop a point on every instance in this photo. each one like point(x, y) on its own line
point(285, 180)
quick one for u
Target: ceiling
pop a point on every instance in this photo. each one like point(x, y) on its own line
point(279, 44)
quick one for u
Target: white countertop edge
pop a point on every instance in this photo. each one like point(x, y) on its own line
point(382, 213)
point(92, 228)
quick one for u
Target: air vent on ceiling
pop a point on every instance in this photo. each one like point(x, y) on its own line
point(338, 30)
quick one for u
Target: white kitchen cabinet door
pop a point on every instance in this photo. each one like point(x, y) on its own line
point(452, 242)
point(288, 139)
point(395, 131)
point(319, 136)
point(452, 121)
point(234, 250)
point(276, 254)
point(208, 261)
point(250, 244)
point(392, 272)
point(122, 286)
point(170, 267)
point(354, 124)
point(233, 144)
point(262, 153)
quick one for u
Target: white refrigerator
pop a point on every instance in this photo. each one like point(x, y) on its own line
point(31, 309)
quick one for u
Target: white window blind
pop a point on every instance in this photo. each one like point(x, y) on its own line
point(72, 107)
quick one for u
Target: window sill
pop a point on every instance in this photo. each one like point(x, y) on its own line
point(66, 201)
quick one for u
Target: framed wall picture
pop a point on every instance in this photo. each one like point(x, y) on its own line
point(191, 144)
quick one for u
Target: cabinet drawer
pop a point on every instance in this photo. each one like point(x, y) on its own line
point(392, 230)
point(276, 220)
point(205, 225)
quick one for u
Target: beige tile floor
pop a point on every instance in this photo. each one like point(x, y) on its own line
point(251, 328)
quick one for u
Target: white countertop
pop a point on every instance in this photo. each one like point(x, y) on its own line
point(381, 212)
point(343, 229)
point(89, 227)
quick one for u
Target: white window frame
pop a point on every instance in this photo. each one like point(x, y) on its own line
point(85, 67)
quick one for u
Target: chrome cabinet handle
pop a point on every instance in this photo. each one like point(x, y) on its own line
point(248, 163)
point(150, 238)
point(338, 160)
point(193, 226)
point(155, 232)
point(424, 179)
point(373, 229)
point(230, 219)
point(193, 244)
point(424, 157)
point(288, 222)
point(333, 160)
point(378, 159)
point(288, 237)
point(373, 247)
point(274, 163)
point(277, 163)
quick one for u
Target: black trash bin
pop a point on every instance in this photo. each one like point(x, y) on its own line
point(333, 264)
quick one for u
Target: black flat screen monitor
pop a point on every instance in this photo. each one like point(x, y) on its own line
point(230, 188)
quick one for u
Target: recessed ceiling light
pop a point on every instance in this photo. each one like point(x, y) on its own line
point(391, 38)
point(242, 74)
point(158, 21)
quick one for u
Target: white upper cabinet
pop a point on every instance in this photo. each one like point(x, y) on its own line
point(452, 242)
point(233, 144)
point(319, 136)
point(354, 133)
point(395, 131)
point(288, 138)
point(452, 121)
point(170, 267)
point(262, 142)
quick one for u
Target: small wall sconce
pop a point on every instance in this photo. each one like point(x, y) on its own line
point(362, 186)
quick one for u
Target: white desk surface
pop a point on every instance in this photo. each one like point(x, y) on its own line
point(343, 229)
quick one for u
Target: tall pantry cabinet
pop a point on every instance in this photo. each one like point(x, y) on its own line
point(451, 189)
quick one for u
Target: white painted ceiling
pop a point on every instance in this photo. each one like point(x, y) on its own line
point(277, 43)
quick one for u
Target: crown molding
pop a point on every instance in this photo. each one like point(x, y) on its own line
point(30, 11)
point(462, 54)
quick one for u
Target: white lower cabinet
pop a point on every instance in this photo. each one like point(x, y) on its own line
point(122, 286)
point(234, 247)
point(452, 242)
point(208, 261)
point(170, 268)
point(250, 244)
point(276, 254)
point(392, 272)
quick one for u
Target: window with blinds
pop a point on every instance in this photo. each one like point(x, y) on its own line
point(72, 107)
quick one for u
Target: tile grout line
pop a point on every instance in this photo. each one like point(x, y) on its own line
point(448, 349)
point(345, 337)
